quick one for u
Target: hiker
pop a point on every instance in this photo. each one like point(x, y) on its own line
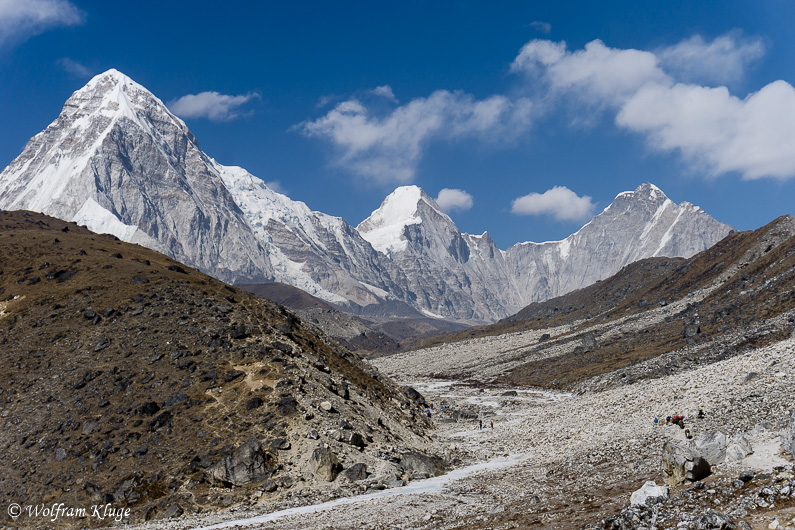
point(656, 421)
point(480, 424)
point(700, 414)
point(428, 412)
point(492, 424)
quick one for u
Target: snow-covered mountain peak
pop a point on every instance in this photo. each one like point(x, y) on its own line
point(407, 205)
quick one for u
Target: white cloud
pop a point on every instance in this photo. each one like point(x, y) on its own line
point(560, 202)
point(541, 27)
point(723, 60)
point(72, 67)
point(450, 199)
point(718, 132)
point(600, 74)
point(22, 19)
point(714, 131)
point(388, 148)
point(210, 105)
point(384, 91)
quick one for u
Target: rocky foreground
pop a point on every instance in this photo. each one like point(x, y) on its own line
point(134, 382)
point(580, 456)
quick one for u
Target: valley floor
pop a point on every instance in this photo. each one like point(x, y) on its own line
point(568, 460)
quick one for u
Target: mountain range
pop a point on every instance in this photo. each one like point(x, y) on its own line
point(118, 161)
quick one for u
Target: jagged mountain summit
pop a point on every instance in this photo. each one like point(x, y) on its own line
point(453, 272)
point(118, 161)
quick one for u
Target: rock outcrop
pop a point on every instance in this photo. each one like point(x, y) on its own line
point(681, 463)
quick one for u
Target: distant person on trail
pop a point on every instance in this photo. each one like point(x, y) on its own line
point(429, 413)
point(700, 414)
point(480, 424)
point(492, 424)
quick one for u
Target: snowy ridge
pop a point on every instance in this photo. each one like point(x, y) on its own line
point(117, 160)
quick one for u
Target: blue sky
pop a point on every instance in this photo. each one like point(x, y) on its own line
point(539, 114)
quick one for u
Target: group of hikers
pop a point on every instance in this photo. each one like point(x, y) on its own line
point(678, 419)
point(480, 424)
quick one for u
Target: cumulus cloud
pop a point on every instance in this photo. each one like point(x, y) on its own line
point(210, 105)
point(559, 202)
point(598, 73)
point(387, 148)
point(22, 19)
point(714, 131)
point(723, 60)
point(384, 91)
point(541, 27)
point(72, 67)
point(450, 199)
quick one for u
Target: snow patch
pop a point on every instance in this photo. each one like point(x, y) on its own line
point(101, 221)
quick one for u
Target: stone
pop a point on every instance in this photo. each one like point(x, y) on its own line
point(649, 490)
point(148, 409)
point(715, 520)
point(254, 403)
point(711, 447)
point(248, 463)
point(789, 435)
point(138, 280)
point(60, 454)
point(326, 406)
point(356, 472)
point(174, 510)
point(353, 438)
point(324, 464)
point(738, 448)
point(510, 393)
point(747, 476)
point(681, 463)
point(414, 462)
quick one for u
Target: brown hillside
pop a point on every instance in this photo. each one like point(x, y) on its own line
point(130, 379)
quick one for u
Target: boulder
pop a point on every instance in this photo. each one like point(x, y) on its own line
point(711, 447)
point(353, 438)
point(681, 463)
point(738, 448)
point(324, 464)
point(789, 435)
point(248, 463)
point(414, 462)
point(415, 396)
point(649, 490)
point(356, 472)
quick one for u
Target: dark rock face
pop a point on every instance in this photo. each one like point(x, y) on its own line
point(356, 472)
point(249, 463)
point(324, 464)
point(681, 463)
point(420, 464)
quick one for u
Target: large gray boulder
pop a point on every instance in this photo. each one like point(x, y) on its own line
point(789, 435)
point(417, 463)
point(712, 447)
point(738, 448)
point(324, 464)
point(681, 463)
point(248, 463)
